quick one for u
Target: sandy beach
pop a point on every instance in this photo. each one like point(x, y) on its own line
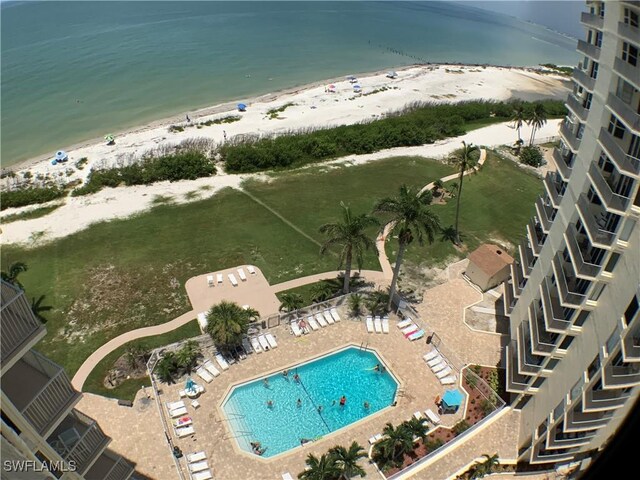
point(310, 106)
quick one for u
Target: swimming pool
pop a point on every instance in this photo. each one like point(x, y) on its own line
point(322, 382)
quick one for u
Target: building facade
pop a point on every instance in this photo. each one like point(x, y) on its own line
point(573, 360)
point(43, 436)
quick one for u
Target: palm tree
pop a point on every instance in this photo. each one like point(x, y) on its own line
point(537, 119)
point(166, 367)
point(349, 235)
point(291, 302)
point(323, 468)
point(396, 442)
point(355, 304)
point(11, 276)
point(322, 291)
point(37, 308)
point(411, 219)
point(376, 301)
point(135, 355)
point(227, 322)
point(518, 117)
point(417, 428)
point(187, 355)
point(480, 469)
point(463, 159)
point(448, 234)
point(438, 185)
point(347, 460)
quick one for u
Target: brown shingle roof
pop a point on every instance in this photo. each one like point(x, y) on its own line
point(490, 258)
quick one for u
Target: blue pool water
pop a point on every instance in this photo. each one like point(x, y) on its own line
point(348, 372)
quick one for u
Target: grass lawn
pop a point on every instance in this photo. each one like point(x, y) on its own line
point(127, 390)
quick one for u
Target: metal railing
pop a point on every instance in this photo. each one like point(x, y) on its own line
point(625, 162)
point(89, 445)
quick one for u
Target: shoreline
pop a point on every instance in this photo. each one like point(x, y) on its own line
point(229, 106)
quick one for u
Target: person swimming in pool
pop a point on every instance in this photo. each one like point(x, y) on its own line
point(377, 367)
point(270, 403)
point(285, 373)
point(299, 403)
point(265, 382)
point(296, 377)
point(343, 401)
point(366, 405)
point(319, 408)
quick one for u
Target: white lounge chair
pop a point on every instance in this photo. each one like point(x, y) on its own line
point(375, 438)
point(219, 277)
point(183, 422)
point(431, 355)
point(232, 279)
point(295, 328)
point(185, 431)
point(251, 269)
point(287, 476)
point(203, 475)
point(377, 324)
point(321, 320)
point(417, 415)
point(404, 323)
point(246, 344)
point(327, 316)
point(198, 466)
point(369, 323)
point(242, 275)
point(196, 457)
point(385, 325)
point(438, 367)
point(433, 417)
point(409, 329)
point(334, 314)
point(256, 345)
point(312, 323)
point(222, 362)
point(178, 412)
point(416, 335)
point(210, 280)
point(435, 360)
point(263, 343)
point(209, 367)
point(443, 373)
point(450, 380)
point(202, 321)
point(204, 375)
point(174, 405)
point(272, 340)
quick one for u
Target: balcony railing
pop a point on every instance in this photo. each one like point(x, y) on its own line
point(110, 466)
point(509, 300)
point(628, 32)
point(597, 235)
point(557, 438)
point(543, 342)
point(602, 400)
point(20, 328)
point(626, 163)
point(569, 137)
point(614, 202)
point(527, 259)
point(621, 375)
point(577, 420)
point(579, 255)
point(545, 213)
point(631, 346)
point(581, 77)
point(592, 20)
point(528, 362)
point(630, 73)
point(555, 319)
point(624, 112)
point(553, 187)
point(575, 105)
point(516, 383)
point(564, 163)
point(518, 279)
point(40, 390)
point(588, 49)
point(566, 293)
point(536, 236)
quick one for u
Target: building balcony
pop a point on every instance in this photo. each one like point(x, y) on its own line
point(516, 383)
point(79, 440)
point(557, 318)
point(540, 455)
point(618, 376)
point(566, 284)
point(527, 258)
point(543, 342)
point(518, 279)
point(590, 219)
point(627, 32)
point(567, 133)
point(603, 400)
point(110, 466)
point(576, 420)
point(631, 345)
point(627, 71)
point(553, 184)
point(626, 163)
point(624, 111)
point(40, 390)
point(589, 50)
point(558, 438)
point(529, 363)
point(536, 236)
point(564, 163)
point(578, 246)
point(575, 105)
point(584, 80)
point(545, 213)
point(509, 300)
point(612, 201)
point(592, 20)
point(21, 330)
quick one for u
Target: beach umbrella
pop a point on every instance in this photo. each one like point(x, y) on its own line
point(351, 77)
point(392, 74)
point(190, 384)
point(357, 87)
point(242, 107)
point(452, 398)
point(109, 138)
point(61, 156)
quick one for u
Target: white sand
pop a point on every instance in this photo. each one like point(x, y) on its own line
point(439, 84)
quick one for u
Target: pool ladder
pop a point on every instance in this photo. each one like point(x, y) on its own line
point(364, 346)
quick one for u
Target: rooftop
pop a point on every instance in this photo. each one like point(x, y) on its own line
point(490, 258)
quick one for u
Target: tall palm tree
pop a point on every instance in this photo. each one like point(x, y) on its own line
point(187, 355)
point(323, 468)
point(291, 302)
point(11, 275)
point(518, 117)
point(411, 220)
point(347, 460)
point(227, 322)
point(396, 442)
point(463, 159)
point(38, 308)
point(485, 467)
point(166, 367)
point(323, 290)
point(417, 428)
point(537, 119)
point(350, 236)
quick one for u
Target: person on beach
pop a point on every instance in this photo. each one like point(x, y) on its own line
point(188, 119)
point(224, 135)
point(343, 401)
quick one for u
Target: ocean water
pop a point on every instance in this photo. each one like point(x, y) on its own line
point(72, 71)
point(279, 428)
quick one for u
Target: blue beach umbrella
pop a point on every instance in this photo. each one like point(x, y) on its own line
point(357, 87)
point(452, 398)
point(61, 156)
point(242, 107)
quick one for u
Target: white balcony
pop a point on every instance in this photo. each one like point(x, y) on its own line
point(578, 247)
point(575, 105)
point(592, 20)
point(543, 342)
point(584, 80)
point(527, 258)
point(553, 184)
point(625, 112)
point(576, 420)
point(568, 134)
point(566, 284)
point(516, 383)
point(564, 163)
point(110, 466)
point(614, 148)
point(603, 400)
point(588, 49)
point(590, 215)
point(629, 33)
point(627, 71)
point(557, 318)
point(612, 201)
point(618, 376)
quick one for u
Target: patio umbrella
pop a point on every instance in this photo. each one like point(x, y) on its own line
point(242, 107)
point(190, 384)
point(452, 398)
point(392, 74)
point(357, 87)
point(61, 156)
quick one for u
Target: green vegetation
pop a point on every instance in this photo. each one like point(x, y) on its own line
point(35, 213)
point(173, 365)
point(568, 71)
point(227, 323)
point(463, 159)
point(460, 427)
point(531, 155)
point(276, 111)
point(81, 163)
point(30, 196)
point(415, 125)
point(220, 121)
point(128, 388)
point(339, 463)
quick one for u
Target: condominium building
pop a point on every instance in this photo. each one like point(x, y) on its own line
point(43, 436)
point(573, 360)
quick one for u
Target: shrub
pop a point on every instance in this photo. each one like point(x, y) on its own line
point(486, 407)
point(460, 427)
point(531, 155)
point(30, 196)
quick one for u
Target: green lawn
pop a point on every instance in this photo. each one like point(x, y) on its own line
point(127, 390)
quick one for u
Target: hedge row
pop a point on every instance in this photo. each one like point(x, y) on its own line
point(29, 196)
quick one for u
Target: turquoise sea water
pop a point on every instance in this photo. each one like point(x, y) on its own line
point(72, 71)
point(323, 382)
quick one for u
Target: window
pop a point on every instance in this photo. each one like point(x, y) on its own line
point(627, 230)
point(580, 131)
point(630, 53)
point(566, 342)
point(582, 317)
point(611, 264)
point(576, 391)
point(594, 70)
point(598, 40)
point(612, 342)
point(624, 91)
point(597, 291)
point(631, 311)
point(631, 18)
point(601, 9)
point(10, 423)
point(587, 101)
point(538, 383)
point(522, 402)
point(616, 128)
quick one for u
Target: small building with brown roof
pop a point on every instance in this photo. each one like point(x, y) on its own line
point(489, 266)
